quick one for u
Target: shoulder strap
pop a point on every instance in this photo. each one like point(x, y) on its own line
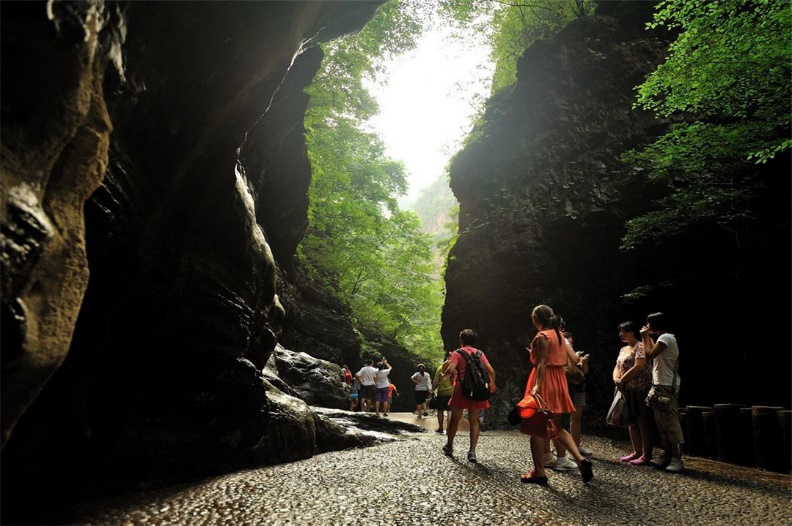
point(464, 354)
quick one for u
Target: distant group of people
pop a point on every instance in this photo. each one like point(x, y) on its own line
point(645, 373)
point(370, 388)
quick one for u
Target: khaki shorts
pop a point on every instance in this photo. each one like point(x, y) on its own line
point(668, 421)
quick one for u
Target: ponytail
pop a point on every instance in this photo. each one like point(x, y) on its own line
point(555, 322)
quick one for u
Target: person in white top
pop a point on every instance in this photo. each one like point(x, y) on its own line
point(367, 376)
point(665, 385)
point(382, 382)
point(423, 385)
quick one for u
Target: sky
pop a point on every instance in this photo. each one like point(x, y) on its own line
point(428, 101)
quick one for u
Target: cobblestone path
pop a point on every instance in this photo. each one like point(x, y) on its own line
point(410, 482)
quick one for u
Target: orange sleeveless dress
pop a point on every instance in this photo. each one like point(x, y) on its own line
point(554, 390)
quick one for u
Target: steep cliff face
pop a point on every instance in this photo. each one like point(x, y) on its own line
point(543, 202)
point(205, 180)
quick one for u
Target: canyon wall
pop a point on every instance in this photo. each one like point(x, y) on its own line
point(154, 183)
point(544, 199)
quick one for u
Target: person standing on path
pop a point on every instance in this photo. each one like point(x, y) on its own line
point(634, 379)
point(457, 366)
point(423, 385)
point(665, 385)
point(577, 392)
point(444, 389)
point(382, 383)
point(368, 391)
point(548, 379)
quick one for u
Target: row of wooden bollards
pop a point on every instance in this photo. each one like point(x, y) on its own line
point(749, 436)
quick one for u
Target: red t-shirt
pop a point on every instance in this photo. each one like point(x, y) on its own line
point(348, 377)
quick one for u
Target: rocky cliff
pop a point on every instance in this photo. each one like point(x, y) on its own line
point(150, 370)
point(543, 202)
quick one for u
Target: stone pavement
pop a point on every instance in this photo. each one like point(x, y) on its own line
point(410, 482)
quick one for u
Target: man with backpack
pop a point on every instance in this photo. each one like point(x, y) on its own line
point(474, 381)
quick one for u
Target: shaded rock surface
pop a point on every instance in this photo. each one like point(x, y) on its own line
point(204, 180)
point(317, 382)
point(543, 202)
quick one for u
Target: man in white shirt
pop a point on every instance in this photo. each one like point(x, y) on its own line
point(367, 375)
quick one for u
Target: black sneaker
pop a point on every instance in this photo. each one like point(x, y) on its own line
point(448, 449)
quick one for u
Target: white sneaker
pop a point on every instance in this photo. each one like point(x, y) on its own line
point(549, 460)
point(660, 462)
point(676, 466)
point(584, 451)
point(564, 464)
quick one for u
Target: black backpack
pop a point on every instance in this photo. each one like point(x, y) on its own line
point(476, 383)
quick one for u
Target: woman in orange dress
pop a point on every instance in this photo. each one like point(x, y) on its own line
point(548, 379)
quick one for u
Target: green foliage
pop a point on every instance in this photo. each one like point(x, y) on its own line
point(372, 255)
point(513, 25)
point(727, 76)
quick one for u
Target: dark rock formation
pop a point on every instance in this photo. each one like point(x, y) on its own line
point(317, 382)
point(543, 201)
point(317, 323)
point(205, 177)
point(55, 136)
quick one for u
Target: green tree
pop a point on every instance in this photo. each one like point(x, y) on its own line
point(726, 83)
point(513, 25)
point(372, 255)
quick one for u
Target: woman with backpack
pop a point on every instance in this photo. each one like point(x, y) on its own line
point(459, 362)
point(548, 380)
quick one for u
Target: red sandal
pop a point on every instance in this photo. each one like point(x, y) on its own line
point(531, 478)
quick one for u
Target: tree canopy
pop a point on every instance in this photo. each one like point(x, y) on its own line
point(372, 255)
point(726, 84)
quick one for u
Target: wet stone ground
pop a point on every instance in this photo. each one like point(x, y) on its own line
point(410, 482)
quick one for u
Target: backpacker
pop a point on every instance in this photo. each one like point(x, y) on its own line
point(475, 384)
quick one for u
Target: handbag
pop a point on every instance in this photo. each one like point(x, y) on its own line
point(619, 414)
point(433, 402)
point(662, 403)
point(574, 374)
point(537, 418)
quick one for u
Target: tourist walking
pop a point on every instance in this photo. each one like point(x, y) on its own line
point(368, 391)
point(423, 386)
point(633, 378)
point(665, 389)
point(444, 388)
point(548, 379)
point(456, 369)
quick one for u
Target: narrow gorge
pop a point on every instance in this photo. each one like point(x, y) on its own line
point(156, 325)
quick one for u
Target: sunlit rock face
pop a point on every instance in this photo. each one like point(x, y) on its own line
point(205, 177)
point(543, 201)
point(55, 136)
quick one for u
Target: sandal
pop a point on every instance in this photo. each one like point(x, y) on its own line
point(531, 478)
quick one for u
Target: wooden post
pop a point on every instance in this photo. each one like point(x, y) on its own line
point(710, 435)
point(696, 434)
point(785, 419)
point(727, 432)
point(767, 437)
